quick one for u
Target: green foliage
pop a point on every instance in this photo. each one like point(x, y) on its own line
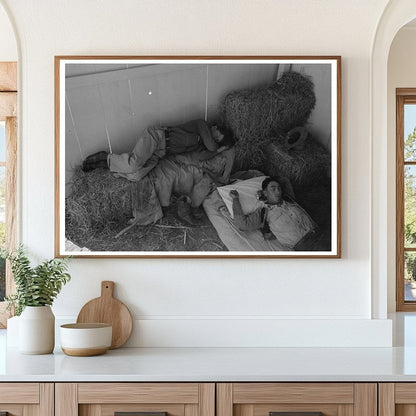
point(410, 146)
point(35, 286)
point(2, 234)
point(410, 191)
point(410, 269)
point(410, 205)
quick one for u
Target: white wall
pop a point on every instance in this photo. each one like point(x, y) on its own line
point(401, 74)
point(212, 302)
point(8, 46)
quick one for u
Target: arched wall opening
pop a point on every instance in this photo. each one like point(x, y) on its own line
point(396, 15)
point(401, 74)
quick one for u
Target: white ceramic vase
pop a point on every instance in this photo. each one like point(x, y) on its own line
point(37, 330)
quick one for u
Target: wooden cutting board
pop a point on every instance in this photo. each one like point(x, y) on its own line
point(109, 310)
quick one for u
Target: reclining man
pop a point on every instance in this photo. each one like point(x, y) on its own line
point(156, 142)
point(278, 219)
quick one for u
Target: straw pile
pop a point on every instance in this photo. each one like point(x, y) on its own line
point(257, 114)
point(100, 206)
point(301, 167)
point(97, 197)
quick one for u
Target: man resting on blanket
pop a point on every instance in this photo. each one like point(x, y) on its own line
point(278, 219)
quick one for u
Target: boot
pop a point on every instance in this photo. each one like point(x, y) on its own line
point(168, 212)
point(197, 213)
point(95, 161)
point(184, 210)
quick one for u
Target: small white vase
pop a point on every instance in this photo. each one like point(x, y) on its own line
point(37, 330)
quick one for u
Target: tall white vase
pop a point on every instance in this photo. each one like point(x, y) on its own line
point(37, 330)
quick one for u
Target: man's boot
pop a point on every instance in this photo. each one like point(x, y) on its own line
point(184, 210)
point(95, 161)
point(197, 213)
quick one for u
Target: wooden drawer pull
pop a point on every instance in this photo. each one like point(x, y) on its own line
point(140, 414)
point(295, 413)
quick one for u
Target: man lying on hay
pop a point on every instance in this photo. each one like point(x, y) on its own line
point(184, 160)
point(156, 142)
point(187, 176)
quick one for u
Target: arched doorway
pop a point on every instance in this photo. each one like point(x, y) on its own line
point(396, 15)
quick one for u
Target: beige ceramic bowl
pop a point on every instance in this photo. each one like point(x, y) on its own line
point(83, 340)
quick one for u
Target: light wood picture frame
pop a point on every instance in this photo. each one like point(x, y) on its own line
point(149, 152)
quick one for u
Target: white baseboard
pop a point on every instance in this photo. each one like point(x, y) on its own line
point(255, 332)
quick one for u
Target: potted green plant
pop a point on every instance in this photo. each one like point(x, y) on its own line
point(36, 289)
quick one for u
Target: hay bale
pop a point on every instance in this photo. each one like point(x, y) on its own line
point(251, 153)
point(256, 114)
point(97, 198)
point(295, 100)
point(301, 167)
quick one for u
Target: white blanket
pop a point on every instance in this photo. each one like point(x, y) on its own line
point(247, 190)
point(231, 236)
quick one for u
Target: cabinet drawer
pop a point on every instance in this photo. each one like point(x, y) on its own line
point(270, 399)
point(138, 393)
point(397, 399)
point(21, 399)
point(148, 399)
point(19, 393)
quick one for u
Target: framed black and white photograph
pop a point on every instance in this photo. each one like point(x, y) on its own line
point(198, 156)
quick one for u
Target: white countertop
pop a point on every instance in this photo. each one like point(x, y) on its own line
point(221, 364)
point(215, 364)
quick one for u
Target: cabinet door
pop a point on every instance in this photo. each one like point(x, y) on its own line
point(297, 399)
point(142, 399)
point(397, 399)
point(26, 399)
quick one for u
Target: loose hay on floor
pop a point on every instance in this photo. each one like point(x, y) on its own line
point(169, 234)
point(100, 205)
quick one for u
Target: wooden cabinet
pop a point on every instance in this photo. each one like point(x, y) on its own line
point(27, 399)
point(106, 399)
point(331, 399)
point(397, 399)
point(208, 399)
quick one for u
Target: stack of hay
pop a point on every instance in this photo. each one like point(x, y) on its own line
point(305, 166)
point(256, 115)
point(98, 198)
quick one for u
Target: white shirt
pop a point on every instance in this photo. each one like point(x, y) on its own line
point(289, 222)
